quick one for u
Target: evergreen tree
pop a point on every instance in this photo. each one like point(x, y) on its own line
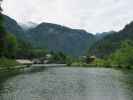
point(123, 56)
point(10, 46)
point(2, 33)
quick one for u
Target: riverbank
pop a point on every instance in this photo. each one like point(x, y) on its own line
point(7, 68)
point(7, 63)
point(102, 65)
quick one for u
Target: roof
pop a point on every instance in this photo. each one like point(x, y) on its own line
point(24, 61)
point(92, 57)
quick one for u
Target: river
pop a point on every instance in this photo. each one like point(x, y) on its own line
point(65, 83)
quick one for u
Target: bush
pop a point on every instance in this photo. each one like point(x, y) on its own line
point(123, 56)
point(7, 63)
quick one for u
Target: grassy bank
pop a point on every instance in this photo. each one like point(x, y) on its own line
point(7, 67)
point(102, 64)
point(6, 74)
point(7, 63)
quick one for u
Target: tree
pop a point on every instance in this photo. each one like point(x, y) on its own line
point(58, 57)
point(2, 33)
point(123, 56)
point(10, 45)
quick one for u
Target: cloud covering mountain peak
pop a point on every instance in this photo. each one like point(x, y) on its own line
point(86, 14)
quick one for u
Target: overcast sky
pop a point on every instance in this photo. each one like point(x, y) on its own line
point(92, 15)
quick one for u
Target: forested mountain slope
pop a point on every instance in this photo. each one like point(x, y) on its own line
point(111, 42)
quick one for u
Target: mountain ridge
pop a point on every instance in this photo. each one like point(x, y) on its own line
point(55, 37)
point(72, 41)
point(111, 42)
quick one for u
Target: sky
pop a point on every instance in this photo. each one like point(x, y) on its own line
point(92, 15)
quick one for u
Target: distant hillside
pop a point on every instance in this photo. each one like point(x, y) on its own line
point(111, 42)
point(52, 36)
point(12, 26)
point(100, 36)
point(59, 38)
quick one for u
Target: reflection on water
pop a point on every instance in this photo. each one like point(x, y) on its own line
point(69, 84)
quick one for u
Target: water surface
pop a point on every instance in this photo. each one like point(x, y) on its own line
point(64, 83)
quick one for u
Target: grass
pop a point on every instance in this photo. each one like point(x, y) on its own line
point(8, 68)
point(101, 64)
point(7, 63)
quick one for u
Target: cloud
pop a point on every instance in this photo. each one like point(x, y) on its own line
point(92, 15)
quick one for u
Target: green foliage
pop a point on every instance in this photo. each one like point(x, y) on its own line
point(58, 57)
point(7, 63)
point(2, 33)
point(38, 53)
point(10, 45)
point(59, 39)
point(123, 56)
point(99, 62)
point(26, 51)
point(69, 61)
point(110, 43)
point(2, 36)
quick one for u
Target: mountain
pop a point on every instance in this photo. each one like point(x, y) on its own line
point(28, 25)
point(111, 42)
point(60, 38)
point(100, 36)
point(52, 36)
point(11, 26)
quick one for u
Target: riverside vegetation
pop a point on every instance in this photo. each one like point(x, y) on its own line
point(121, 58)
point(114, 49)
point(62, 45)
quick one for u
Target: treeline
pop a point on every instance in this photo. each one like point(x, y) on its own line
point(2, 34)
point(121, 58)
point(14, 48)
point(60, 57)
point(111, 42)
point(7, 44)
point(115, 49)
point(11, 47)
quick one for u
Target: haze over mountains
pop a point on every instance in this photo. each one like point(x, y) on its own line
point(28, 25)
point(53, 37)
point(73, 42)
point(112, 42)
